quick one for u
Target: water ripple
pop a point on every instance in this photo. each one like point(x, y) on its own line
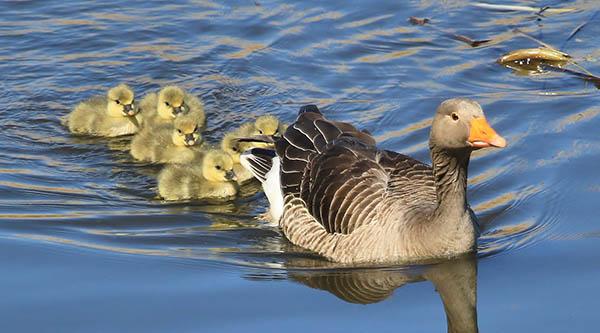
point(366, 65)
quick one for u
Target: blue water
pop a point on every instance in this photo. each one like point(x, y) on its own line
point(85, 246)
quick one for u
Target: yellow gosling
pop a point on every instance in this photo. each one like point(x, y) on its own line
point(230, 145)
point(168, 104)
point(115, 114)
point(178, 143)
point(212, 178)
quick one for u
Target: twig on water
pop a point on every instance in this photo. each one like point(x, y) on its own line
point(524, 34)
point(579, 27)
point(511, 8)
point(462, 38)
point(587, 77)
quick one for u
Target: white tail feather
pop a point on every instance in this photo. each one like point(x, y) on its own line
point(270, 181)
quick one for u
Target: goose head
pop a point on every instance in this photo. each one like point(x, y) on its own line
point(217, 166)
point(186, 132)
point(171, 102)
point(267, 125)
point(121, 101)
point(460, 124)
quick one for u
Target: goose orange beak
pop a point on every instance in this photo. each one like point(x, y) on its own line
point(483, 135)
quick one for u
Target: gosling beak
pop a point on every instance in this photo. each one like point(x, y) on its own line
point(178, 110)
point(128, 110)
point(189, 139)
point(230, 175)
point(483, 135)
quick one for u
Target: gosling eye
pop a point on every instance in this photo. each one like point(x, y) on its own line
point(454, 116)
point(167, 104)
point(218, 167)
point(117, 101)
point(260, 131)
point(196, 128)
point(234, 148)
point(179, 131)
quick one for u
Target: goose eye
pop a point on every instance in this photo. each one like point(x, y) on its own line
point(454, 116)
point(218, 167)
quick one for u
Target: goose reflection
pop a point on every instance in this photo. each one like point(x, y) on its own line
point(454, 280)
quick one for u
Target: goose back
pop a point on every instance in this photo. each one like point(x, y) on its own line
point(342, 179)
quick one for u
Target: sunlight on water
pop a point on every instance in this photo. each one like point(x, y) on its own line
point(85, 201)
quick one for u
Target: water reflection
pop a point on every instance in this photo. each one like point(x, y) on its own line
point(455, 281)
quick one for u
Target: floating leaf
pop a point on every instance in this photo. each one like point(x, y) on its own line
point(540, 54)
point(538, 60)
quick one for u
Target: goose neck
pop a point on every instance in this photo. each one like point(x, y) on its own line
point(450, 173)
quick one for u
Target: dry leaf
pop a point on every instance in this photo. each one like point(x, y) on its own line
point(540, 53)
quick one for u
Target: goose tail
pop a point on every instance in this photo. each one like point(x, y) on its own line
point(264, 166)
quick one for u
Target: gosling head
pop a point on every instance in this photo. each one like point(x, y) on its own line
point(217, 166)
point(459, 123)
point(267, 125)
point(186, 132)
point(231, 146)
point(121, 102)
point(171, 102)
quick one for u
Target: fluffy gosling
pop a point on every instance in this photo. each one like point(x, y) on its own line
point(178, 143)
point(170, 103)
point(231, 146)
point(269, 125)
point(115, 114)
point(212, 178)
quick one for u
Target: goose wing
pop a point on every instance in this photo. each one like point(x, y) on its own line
point(333, 168)
point(307, 138)
point(410, 181)
point(344, 185)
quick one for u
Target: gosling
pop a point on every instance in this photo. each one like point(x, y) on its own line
point(115, 114)
point(269, 125)
point(264, 125)
point(211, 179)
point(231, 146)
point(177, 143)
point(170, 103)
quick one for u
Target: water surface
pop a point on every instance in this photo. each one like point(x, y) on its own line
point(86, 246)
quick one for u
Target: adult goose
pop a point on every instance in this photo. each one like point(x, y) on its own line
point(334, 192)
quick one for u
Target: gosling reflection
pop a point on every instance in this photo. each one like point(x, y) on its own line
point(455, 281)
